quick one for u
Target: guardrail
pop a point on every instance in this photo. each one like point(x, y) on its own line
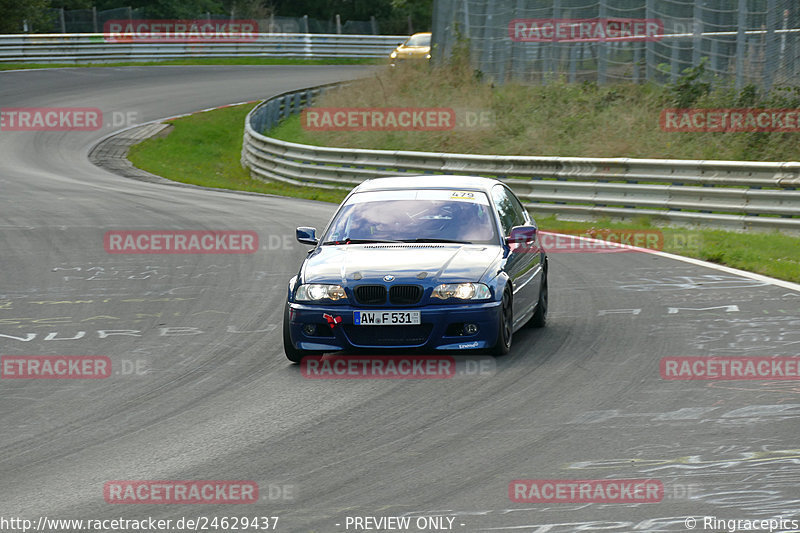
point(723, 193)
point(93, 47)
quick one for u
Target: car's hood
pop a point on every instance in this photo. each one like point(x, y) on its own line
point(371, 262)
point(413, 51)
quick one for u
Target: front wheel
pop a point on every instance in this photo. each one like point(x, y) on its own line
point(293, 354)
point(505, 327)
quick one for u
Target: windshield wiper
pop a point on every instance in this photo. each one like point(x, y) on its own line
point(359, 241)
point(436, 240)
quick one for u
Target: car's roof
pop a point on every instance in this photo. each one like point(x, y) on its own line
point(429, 181)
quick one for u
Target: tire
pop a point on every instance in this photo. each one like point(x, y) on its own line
point(505, 330)
point(293, 354)
point(539, 318)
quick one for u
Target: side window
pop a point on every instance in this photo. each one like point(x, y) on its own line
point(510, 210)
point(521, 214)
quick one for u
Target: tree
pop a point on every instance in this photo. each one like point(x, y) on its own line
point(71, 4)
point(14, 14)
point(420, 11)
point(167, 9)
point(247, 9)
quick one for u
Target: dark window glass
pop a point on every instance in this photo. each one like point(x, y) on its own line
point(510, 210)
point(414, 219)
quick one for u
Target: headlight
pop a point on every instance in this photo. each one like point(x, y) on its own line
point(428, 56)
point(393, 54)
point(462, 291)
point(317, 291)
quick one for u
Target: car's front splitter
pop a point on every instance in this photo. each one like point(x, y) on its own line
point(334, 329)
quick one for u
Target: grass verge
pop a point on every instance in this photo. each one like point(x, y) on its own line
point(771, 254)
point(204, 149)
point(555, 119)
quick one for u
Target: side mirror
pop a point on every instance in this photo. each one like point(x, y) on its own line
point(307, 236)
point(522, 235)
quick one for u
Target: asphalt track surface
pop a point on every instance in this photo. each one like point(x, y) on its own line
point(217, 400)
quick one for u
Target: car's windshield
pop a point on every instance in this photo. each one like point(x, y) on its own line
point(419, 40)
point(414, 216)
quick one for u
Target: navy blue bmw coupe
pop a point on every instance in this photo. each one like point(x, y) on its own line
point(422, 263)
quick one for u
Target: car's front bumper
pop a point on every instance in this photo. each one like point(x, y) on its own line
point(438, 329)
point(394, 61)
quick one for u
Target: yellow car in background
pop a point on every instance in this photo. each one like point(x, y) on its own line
point(418, 46)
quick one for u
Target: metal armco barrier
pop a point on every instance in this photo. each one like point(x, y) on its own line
point(721, 193)
point(93, 47)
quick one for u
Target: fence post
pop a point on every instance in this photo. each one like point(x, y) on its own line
point(517, 62)
point(374, 23)
point(792, 51)
point(573, 61)
point(771, 57)
point(649, 45)
point(697, 33)
point(674, 62)
point(338, 24)
point(62, 21)
point(466, 19)
point(554, 48)
point(498, 44)
point(499, 41)
point(602, 50)
point(741, 43)
point(785, 19)
point(438, 37)
point(714, 55)
point(284, 107)
point(275, 113)
point(130, 13)
point(94, 19)
point(410, 26)
point(297, 104)
point(488, 38)
point(305, 23)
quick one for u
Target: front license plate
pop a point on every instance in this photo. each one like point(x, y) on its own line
point(386, 318)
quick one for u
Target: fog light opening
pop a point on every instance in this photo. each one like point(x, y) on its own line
point(470, 329)
point(310, 329)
